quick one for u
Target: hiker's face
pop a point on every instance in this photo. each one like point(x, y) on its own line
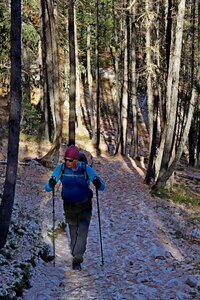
point(71, 163)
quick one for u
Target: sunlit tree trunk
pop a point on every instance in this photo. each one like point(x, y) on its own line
point(50, 61)
point(168, 160)
point(89, 80)
point(53, 101)
point(14, 122)
point(80, 128)
point(172, 88)
point(116, 53)
point(124, 107)
point(161, 182)
point(133, 83)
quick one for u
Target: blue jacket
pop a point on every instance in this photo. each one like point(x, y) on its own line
point(75, 187)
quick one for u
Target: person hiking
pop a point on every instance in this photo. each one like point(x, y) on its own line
point(77, 199)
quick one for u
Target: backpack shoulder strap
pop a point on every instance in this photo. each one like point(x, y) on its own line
point(84, 171)
point(62, 171)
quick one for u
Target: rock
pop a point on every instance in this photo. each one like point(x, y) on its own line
point(159, 253)
point(192, 281)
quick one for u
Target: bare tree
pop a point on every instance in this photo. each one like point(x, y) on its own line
point(194, 134)
point(72, 56)
point(52, 91)
point(149, 71)
point(14, 122)
point(170, 157)
point(124, 106)
point(133, 78)
point(89, 80)
point(97, 81)
point(172, 89)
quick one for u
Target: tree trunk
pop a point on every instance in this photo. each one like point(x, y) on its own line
point(26, 78)
point(161, 182)
point(44, 73)
point(97, 82)
point(51, 72)
point(172, 89)
point(149, 71)
point(150, 174)
point(116, 69)
point(124, 109)
point(72, 56)
point(89, 80)
point(14, 122)
point(133, 85)
point(194, 135)
point(168, 32)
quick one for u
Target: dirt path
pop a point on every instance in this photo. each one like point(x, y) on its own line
point(143, 257)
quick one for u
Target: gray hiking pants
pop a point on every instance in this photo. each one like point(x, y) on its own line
point(78, 217)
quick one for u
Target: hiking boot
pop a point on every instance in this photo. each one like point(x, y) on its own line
point(76, 265)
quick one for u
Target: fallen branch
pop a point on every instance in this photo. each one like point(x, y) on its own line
point(4, 162)
point(191, 177)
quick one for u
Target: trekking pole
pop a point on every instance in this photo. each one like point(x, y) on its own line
point(54, 249)
point(100, 237)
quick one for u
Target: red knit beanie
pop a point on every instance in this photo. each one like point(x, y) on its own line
point(72, 152)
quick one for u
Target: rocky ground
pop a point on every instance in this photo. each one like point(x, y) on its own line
point(150, 245)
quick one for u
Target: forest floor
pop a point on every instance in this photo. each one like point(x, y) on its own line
point(151, 246)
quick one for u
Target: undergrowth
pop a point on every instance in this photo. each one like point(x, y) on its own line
point(180, 194)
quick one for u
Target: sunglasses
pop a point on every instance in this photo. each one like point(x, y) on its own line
point(70, 160)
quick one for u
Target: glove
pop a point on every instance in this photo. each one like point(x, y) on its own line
point(52, 182)
point(96, 182)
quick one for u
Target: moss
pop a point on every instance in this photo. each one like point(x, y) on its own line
point(183, 195)
point(180, 194)
point(22, 274)
point(161, 193)
point(13, 245)
point(197, 265)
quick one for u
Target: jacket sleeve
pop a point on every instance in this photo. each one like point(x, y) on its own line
point(56, 174)
point(92, 174)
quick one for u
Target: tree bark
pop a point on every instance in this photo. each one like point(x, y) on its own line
point(133, 82)
point(97, 82)
point(149, 70)
point(172, 89)
point(89, 80)
point(161, 182)
point(168, 32)
point(124, 108)
point(72, 55)
point(53, 101)
point(117, 51)
point(14, 122)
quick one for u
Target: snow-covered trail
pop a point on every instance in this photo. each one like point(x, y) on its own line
point(141, 260)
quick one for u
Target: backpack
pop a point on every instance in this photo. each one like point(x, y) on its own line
point(82, 157)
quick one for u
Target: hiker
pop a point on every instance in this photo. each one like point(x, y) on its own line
point(75, 176)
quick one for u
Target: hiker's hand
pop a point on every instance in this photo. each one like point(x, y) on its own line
point(52, 182)
point(96, 182)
